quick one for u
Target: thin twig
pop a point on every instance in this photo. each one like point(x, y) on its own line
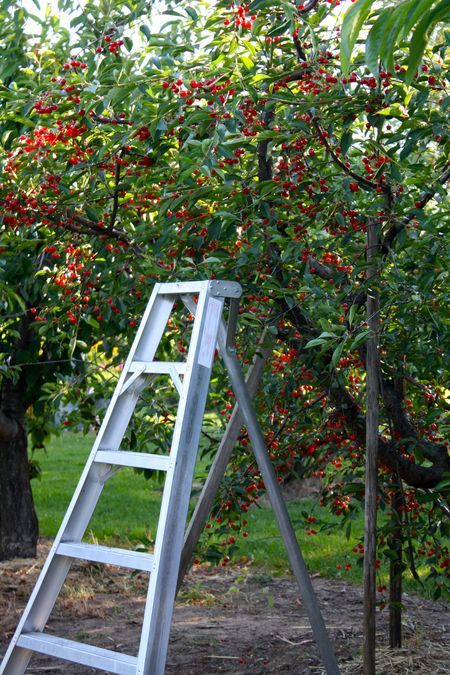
point(337, 160)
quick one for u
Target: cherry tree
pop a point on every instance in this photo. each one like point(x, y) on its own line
point(231, 143)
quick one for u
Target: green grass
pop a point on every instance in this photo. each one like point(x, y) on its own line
point(129, 509)
point(129, 505)
point(326, 553)
point(322, 552)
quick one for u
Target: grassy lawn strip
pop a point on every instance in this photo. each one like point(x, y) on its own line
point(128, 511)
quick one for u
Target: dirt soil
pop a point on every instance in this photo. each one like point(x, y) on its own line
point(234, 620)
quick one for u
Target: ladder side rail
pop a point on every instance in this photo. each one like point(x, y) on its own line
point(88, 490)
point(177, 491)
point(278, 504)
point(16, 659)
point(56, 568)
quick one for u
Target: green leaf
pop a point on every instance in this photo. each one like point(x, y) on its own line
point(24, 120)
point(395, 173)
point(279, 30)
point(72, 345)
point(248, 63)
point(419, 39)
point(327, 334)
point(351, 314)
point(395, 110)
point(192, 13)
point(391, 30)
point(314, 343)
point(337, 354)
point(348, 530)
point(374, 40)
point(346, 141)
point(359, 338)
point(417, 9)
point(351, 27)
point(146, 31)
point(442, 485)
point(93, 323)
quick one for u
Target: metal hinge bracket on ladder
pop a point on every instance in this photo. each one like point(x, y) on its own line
point(191, 379)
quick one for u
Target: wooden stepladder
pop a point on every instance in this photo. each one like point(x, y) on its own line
point(205, 300)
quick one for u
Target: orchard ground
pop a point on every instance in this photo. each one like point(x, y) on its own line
point(233, 620)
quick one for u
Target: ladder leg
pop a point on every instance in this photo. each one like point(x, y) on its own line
point(279, 507)
point(17, 661)
point(40, 605)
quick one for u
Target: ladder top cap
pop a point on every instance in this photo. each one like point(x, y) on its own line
point(226, 289)
point(216, 287)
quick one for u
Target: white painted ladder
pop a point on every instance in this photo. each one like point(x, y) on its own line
point(205, 300)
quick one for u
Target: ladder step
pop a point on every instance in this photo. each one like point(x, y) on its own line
point(174, 288)
point(158, 367)
point(223, 289)
point(107, 555)
point(77, 652)
point(138, 460)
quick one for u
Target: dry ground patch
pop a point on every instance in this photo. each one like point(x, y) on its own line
point(237, 620)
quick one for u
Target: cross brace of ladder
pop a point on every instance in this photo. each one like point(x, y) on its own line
point(170, 558)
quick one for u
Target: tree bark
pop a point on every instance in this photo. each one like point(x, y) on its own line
point(18, 521)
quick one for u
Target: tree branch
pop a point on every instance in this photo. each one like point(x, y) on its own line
point(104, 119)
point(402, 426)
point(115, 207)
point(338, 161)
point(308, 7)
point(388, 454)
point(265, 162)
point(299, 49)
point(318, 268)
point(108, 232)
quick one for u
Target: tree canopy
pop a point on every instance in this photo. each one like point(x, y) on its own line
point(227, 141)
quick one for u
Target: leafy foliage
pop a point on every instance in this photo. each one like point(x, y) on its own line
point(229, 143)
point(391, 25)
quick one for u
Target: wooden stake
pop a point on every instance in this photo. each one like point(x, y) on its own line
point(372, 417)
point(396, 569)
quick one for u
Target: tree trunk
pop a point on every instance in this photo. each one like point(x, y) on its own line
point(18, 521)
